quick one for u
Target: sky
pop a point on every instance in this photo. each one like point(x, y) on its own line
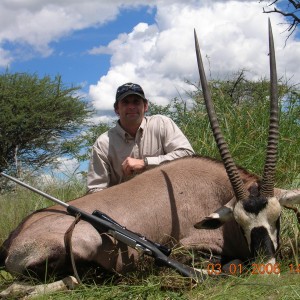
point(100, 45)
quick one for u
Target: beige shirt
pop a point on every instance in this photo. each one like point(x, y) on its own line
point(158, 138)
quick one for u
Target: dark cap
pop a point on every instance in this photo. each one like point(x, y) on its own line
point(129, 89)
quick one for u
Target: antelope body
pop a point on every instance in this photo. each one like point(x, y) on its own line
point(165, 204)
point(162, 204)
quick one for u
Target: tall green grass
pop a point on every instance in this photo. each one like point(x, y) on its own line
point(20, 202)
point(245, 127)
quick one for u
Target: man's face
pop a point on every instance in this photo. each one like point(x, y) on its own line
point(131, 109)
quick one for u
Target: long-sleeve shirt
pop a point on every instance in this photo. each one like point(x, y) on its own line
point(158, 139)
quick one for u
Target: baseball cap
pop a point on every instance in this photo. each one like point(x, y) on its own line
point(129, 89)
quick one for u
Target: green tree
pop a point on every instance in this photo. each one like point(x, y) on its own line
point(37, 116)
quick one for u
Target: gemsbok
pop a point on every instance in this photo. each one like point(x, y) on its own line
point(166, 204)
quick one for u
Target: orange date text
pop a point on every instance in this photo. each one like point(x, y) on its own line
point(238, 269)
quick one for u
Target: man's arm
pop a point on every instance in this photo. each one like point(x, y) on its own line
point(175, 143)
point(98, 173)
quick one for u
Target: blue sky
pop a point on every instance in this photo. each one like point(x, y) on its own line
point(100, 45)
point(70, 57)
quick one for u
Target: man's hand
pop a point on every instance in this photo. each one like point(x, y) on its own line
point(133, 165)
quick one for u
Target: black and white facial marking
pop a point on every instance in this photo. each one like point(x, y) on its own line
point(260, 220)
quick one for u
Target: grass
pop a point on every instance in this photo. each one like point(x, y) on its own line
point(168, 285)
point(20, 202)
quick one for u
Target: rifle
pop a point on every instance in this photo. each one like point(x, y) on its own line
point(101, 222)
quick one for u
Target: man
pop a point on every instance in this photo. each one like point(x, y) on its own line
point(136, 143)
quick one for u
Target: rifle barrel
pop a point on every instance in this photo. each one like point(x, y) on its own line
point(35, 190)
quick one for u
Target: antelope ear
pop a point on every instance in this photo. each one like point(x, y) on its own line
point(287, 197)
point(219, 217)
point(216, 219)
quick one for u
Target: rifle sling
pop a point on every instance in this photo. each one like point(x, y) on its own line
point(68, 246)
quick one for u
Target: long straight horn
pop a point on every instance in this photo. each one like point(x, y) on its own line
point(231, 169)
point(267, 187)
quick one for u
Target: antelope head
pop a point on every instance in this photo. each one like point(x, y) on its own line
point(254, 208)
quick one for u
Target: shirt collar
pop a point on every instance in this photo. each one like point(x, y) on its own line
point(125, 135)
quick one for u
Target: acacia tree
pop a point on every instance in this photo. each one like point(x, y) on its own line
point(290, 9)
point(37, 115)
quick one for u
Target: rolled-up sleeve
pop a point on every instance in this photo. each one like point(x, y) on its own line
point(174, 143)
point(98, 176)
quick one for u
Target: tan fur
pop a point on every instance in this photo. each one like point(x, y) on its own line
point(162, 204)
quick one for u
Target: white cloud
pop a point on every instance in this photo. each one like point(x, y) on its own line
point(38, 23)
point(65, 168)
point(62, 171)
point(232, 35)
point(5, 57)
point(160, 56)
point(105, 119)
